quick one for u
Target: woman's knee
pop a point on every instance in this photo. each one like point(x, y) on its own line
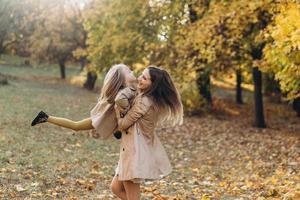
point(115, 188)
point(132, 190)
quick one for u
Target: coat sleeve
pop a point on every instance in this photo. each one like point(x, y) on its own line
point(122, 98)
point(139, 108)
point(123, 103)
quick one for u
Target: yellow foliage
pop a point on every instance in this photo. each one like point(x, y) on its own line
point(78, 80)
point(282, 56)
point(191, 98)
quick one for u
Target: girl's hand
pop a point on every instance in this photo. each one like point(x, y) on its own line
point(118, 111)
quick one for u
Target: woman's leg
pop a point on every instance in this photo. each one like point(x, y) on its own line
point(85, 124)
point(132, 190)
point(117, 188)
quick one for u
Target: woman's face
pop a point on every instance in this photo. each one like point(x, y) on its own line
point(129, 76)
point(144, 80)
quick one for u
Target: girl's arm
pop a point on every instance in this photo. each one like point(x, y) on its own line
point(139, 108)
point(122, 99)
point(123, 103)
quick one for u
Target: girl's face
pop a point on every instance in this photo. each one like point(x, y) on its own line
point(144, 80)
point(129, 76)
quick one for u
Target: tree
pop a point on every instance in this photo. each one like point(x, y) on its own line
point(238, 97)
point(117, 32)
point(176, 50)
point(8, 24)
point(56, 35)
point(203, 74)
point(271, 87)
point(282, 53)
point(226, 38)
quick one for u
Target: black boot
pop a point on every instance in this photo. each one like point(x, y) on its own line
point(40, 118)
point(118, 134)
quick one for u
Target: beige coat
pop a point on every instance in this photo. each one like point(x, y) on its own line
point(103, 115)
point(142, 155)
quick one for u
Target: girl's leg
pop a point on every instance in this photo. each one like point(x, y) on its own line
point(132, 190)
point(117, 188)
point(85, 124)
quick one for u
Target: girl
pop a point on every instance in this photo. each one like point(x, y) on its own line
point(142, 155)
point(118, 87)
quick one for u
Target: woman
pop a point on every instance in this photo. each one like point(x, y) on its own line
point(142, 155)
point(119, 83)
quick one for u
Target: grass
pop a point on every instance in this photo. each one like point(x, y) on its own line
point(41, 151)
point(6, 59)
point(14, 66)
point(38, 71)
point(36, 155)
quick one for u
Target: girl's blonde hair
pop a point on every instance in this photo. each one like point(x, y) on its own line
point(114, 81)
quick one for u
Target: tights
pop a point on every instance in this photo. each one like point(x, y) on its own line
point(85, 124)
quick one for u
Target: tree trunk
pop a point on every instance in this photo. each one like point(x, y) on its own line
point(271, 88)
point(3, 80)
point(296, 106)
point(239, 99)
point(90, 81)
point(82, 62)
point(203, 84)
point(62, 66)
point(2, 49)
point(258, 99)
point(203, 75)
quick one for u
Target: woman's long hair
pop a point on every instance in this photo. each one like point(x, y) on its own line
point(114, 81)
point(165, 96)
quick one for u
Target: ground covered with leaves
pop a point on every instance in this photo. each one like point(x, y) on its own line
point(218, 155)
